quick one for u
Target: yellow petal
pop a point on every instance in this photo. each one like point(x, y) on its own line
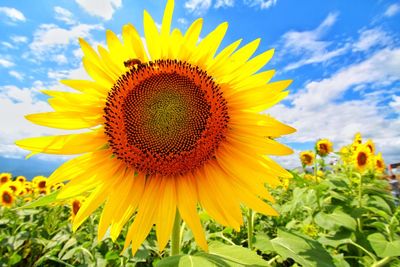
point(111, 64)
point(95, 199)
point(145, 216)
point(134, 198)
point(152, 36)
point(65, 144)
point(187, 205)
point(190, 39)
point(87, 87)
point(117, 51)
point(166, 27)
point(66, 120)
point(209, 45)
point(97, 73)
point(166, 211)
point(133, 43)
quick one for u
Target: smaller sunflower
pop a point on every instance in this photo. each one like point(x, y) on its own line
point(76, 204)
point(307, 158)
point(357, 139)
point(345, 154)
point(7, 198)
point(362, 158)
point(324, 147)
point(379, 164)
point(57, 186)
point(5, 177)
point(371, 146)
point(15, 187)
point(40, 182)
point(21, 179)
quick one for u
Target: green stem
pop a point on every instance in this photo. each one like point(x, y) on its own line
point(315, 167)
point(382, 262)
point(360, 194)
point(250, 227)
point(363, 249)
point(176, 235)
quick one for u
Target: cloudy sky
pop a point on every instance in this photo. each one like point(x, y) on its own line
point(344, 58)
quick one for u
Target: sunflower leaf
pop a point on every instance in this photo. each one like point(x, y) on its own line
point(43, 201)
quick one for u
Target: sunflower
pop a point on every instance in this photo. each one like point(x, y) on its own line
point(167, 130)
point(307, 158)
point(20, 179)
point(357, 139)
point(345, 154)
point(324, 147)
point(57, 186)
point(362, 158)
point(7, 197)
point(371, 146)
point(379, 164)
point(15, 187)
point(40, 182)
point(5, 177)
point(76, 204)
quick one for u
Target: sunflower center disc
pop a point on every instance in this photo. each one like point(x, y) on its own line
point(362, 159)
point(165, 117)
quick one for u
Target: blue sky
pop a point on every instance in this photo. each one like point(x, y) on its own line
point(344, 58)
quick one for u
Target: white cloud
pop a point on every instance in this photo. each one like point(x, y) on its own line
point(198, 7)
point(309, 46)
point(64, 15)
point(224, 3)
point(100, 8)
point(370, 38)
point(19, 39)
point(316, 111)
point(52, 40)
point(263, 4)
point(383, 67)
point(60, 59)
point(16, 75)
point(392, 10)
point(183, 21)
point(6, 63)
point(13, 14)
point(7, 44)
point(395, 103)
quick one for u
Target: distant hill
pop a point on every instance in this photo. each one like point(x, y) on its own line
point(28, 167)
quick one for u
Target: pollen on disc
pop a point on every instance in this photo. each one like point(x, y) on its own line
point(165, 117)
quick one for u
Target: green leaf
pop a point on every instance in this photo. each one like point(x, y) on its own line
point(14, 259)
point(302, 249)
point(263, 243)
point(235, 254)
point(382, 247)
point(43, 201)
point(185, 261)
point(335, 220)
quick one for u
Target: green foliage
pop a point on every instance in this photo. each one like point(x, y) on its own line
point(344, 219)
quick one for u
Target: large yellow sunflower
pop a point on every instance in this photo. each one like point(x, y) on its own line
point(167, 130)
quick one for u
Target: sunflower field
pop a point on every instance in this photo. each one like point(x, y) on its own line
point(339, 214)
